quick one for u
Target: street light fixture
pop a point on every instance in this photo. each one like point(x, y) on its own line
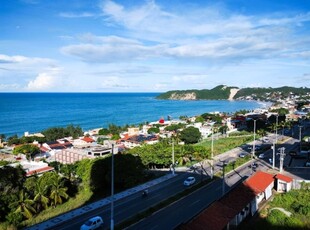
point(253, 152)
point(223, 185)
point(277, 118)
point(173, 170)
point(112, 189)
point(300, 127)
point(212, 149)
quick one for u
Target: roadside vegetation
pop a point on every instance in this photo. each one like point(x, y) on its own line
point(296, 203)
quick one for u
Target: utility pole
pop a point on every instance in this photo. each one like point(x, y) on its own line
point(212, 149)
point(277, 117)
point(282, 155)
point(112, 189)
point(300, 138)
point(273, 154)
point(223, 185)
point(253, 152)
point(173, 157)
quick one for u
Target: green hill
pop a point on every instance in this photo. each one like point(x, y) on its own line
point(223, 92)
point(220, 92)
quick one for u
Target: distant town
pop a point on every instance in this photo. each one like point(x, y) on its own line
point(286, 117)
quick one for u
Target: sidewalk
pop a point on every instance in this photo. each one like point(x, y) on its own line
point(51, 223)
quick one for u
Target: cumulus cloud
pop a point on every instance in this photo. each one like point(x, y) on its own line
point(45, 81)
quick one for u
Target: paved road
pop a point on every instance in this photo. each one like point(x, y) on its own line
point(184, 209)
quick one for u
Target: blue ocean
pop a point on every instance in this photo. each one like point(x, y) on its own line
point(35, 112)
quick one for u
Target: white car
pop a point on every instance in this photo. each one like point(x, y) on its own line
point(92, 223)
point(189, 181)
point(261, 156)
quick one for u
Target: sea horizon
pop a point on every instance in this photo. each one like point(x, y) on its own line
point(37, 111)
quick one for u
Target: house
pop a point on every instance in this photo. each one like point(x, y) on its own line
point(262, 184)
point(229, 211)
point(283, 183)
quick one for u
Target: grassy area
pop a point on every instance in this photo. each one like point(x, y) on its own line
point(225, 144)
point(297, 202)
point(78, 201)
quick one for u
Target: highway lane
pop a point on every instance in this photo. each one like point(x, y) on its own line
point(131, 205)
point(189, 206)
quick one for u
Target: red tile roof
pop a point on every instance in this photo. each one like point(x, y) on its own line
point(215, 217)
point(259, 181)
point(221, 212)
point(40, 170)
point(284, 178)
point(88, 139)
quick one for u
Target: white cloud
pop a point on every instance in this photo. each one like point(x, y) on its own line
point(111, 49)
point(23, 59)
point(46, 81)
point(10, 87)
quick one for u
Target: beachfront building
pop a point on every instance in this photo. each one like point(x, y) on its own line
point(70, 156)
point(137, 140)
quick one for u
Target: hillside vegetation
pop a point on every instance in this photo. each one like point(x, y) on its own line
point(223, 92)
point(220, 92)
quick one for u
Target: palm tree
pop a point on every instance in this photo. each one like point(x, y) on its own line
point(24, 205)
point(40, 199)
point(58, 192)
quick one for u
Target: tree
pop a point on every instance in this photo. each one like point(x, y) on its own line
point(190, 135)
point(58, 192)
point(104, 132)
point(41, 200)
point(199, 119)
point(28, 149)
point(24, 205)
point(153, 130)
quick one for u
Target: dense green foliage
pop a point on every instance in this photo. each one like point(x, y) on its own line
point(153, 130)
point(260, 93)
point(220, 92)
point(296, 202)
point(28, 149)
point(14, 140)
point(52, 134)
point(190, 135)
point(212, 117)
point(160, 155)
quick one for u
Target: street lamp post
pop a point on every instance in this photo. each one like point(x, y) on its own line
point(112, 190)
point(173, 157)
point(253, 152)
point(300, 138)
point(282, 155)
point(273, 154)
point(212, 149)
point(223, 185)
point(277, 118)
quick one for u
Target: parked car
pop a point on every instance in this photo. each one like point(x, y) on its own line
point(93, 223)
point(307, 164)
point(189, 181)
point(242, 155)
point(261, 156)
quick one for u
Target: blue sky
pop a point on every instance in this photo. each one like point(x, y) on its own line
point(152, 46)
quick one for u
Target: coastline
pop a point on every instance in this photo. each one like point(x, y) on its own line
point(34, 113)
